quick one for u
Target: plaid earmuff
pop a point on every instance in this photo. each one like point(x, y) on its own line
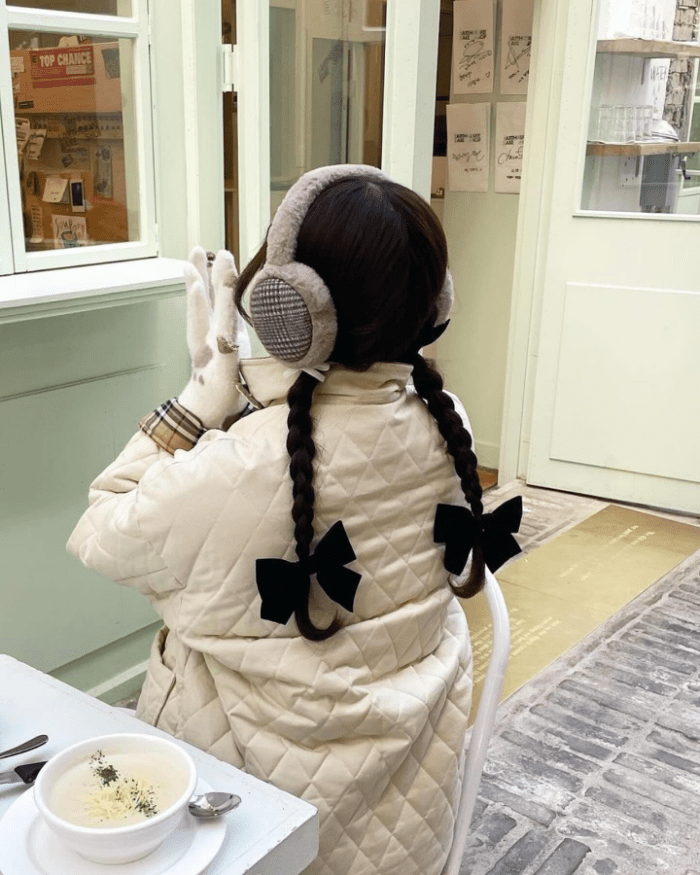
point(290, 306)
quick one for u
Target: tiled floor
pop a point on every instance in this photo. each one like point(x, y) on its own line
point(594, 768)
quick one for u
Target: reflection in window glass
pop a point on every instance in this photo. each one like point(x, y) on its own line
point(640, 134)
point(75, 139)
point(86, 7)
point(326, 87)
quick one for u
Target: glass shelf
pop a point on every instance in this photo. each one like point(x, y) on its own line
point(648, 48)
point(627, 149)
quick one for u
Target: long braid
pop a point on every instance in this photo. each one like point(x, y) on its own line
point(302, 450)
point(429, 386)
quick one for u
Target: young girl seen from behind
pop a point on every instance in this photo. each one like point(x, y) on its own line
point(300, 557)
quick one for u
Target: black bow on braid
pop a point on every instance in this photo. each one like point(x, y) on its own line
point(429, 385)
point(301, 449)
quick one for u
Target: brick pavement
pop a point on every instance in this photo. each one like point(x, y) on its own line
point(594, 768)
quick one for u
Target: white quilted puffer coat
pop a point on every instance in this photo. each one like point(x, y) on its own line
point(369, 725)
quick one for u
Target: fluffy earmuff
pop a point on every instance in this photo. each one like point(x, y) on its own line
point(290, 306)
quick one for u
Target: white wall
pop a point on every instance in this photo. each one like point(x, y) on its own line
point(480, 230)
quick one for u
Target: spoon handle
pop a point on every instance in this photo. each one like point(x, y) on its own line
point(27, 746)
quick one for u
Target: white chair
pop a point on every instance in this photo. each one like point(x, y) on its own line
point(485, 720)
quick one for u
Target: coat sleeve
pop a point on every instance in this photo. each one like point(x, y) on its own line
point(110, 536)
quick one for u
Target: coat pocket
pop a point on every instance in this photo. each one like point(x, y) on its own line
point(159, 683)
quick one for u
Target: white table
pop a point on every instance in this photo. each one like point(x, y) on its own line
point(270, 833)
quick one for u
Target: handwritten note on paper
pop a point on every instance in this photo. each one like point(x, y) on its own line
point(472, 47)
point(54, 189)
point(516, 43)
point(468, 146)
point(510, 137)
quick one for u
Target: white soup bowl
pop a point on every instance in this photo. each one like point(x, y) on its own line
point(118, 844)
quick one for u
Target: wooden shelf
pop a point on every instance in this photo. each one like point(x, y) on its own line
point(635, 149)
point(649, 48)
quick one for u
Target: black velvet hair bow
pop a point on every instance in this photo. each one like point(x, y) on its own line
point(281, 583)
point(459, 530)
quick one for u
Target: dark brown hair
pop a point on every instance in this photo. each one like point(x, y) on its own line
point(381, 251)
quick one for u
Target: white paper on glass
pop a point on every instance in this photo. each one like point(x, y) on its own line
point(508, 147)
point(472, 47)
point(516, 45)
point(37, 224)
point(35, 143)
point(468, 146)
point(54, 189)
point(22, 129)
point(68, 231)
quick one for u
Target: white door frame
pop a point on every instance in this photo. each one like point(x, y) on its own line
point(541, 126)
point(253, 88)
point(202, 123)
point(6, 256)
point(409, 92)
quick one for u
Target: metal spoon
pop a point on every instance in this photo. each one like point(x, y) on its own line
point(23, 748)
point(213, 804)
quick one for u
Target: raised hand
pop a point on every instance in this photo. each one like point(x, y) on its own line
point(216, 337)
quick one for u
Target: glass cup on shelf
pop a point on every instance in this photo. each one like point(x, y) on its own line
point(619, 124)
point(648, 120)
point(630, 125)
point(639, 135)
point(604, 131)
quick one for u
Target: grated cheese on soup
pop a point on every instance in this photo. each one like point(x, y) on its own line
point(118, 789)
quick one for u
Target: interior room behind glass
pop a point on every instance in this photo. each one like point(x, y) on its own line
point(643, 150)
point(73, 99)
point(326, 92)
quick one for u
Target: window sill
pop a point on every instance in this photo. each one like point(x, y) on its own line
point(76, 289)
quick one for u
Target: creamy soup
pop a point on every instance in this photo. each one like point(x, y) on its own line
point(116, 789)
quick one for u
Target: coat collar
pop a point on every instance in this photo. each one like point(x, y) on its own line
point(269, 380)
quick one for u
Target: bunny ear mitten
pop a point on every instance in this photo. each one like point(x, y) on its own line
point(217, 339)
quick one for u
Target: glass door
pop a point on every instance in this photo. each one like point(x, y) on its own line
point(326, 87)
point(326, 92)
point(323, 82)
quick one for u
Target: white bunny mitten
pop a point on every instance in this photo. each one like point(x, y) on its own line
point(217, 338)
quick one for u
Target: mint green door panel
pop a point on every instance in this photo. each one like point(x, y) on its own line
point(72, 389)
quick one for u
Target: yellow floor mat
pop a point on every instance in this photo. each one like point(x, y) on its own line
point(563, 590)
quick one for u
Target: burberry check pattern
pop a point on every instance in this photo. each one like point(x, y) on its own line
point(172, 427)
point(282, 320)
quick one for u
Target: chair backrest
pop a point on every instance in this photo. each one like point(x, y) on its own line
point(485, 720)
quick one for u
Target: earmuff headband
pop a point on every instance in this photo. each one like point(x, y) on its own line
point(290, 306)
point(285, 227)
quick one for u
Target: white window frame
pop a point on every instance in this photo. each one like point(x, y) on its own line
point(692, 190)
point(181, 142)
point(6, 260)
point(136, 28)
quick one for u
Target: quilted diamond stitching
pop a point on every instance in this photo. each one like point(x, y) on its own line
point(366, 727)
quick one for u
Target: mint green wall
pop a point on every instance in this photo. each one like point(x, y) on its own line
point(72, 389)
